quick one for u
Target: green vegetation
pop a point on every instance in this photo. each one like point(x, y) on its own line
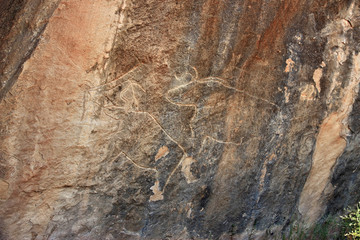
point(351, 223)
point(345, 227)
point(329, 228)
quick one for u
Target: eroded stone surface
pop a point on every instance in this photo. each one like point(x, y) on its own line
point(182, 119)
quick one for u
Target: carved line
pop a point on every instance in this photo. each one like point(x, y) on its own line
point(171, 138)
point(224, 142)
point(116, 79)
point(192, 118)
point(221, 82)
point(136, 164)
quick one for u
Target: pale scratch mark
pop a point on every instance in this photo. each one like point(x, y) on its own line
point(225, 142)
point(185, 155)
point(133, 93)
point(202, 145)
point(138, 85)
point(193, 79)
point(83, 107)
point(192, 118)
point(136, 164)
point(181, 86)
point(121, 6)
point(176, 77)
point(237, 90)
point(111, 116)
point(158, 195)
point(127, 232)
point(196, 73)
point(162, 128)
point(174, 170)
point(67, 55)
point(10, 155)
point(113, 105)
point(222, 83)
point(116, 79)
point(91, 98)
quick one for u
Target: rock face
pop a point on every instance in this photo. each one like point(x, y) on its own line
point(125, 119)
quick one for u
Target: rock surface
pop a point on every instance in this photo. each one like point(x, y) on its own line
point(125, 119)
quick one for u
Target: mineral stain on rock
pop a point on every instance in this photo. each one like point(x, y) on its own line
point(125, 119)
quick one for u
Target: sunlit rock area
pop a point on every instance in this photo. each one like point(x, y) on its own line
point(177, 119)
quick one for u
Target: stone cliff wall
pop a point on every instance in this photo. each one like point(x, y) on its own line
point(147, 119)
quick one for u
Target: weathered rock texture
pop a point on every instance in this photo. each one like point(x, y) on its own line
point(176, 119)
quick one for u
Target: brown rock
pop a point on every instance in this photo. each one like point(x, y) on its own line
point(175, 119)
